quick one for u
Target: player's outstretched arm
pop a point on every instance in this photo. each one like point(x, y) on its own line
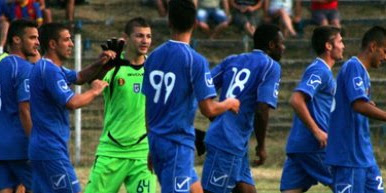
point(80, 100)
point(260, 127)
point(211, 108)
point(298, 103)
point(94, 71)
point(25, 117)
point(369, 109)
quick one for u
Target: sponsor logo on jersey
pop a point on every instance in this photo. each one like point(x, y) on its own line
point(63, 85)
point(276, 90)
point(136, 87)
point(58, 181)
point(121, 81)
point(182, 183)
point(26, 85)
point(208, 79)
point(218, 178)
point(135, 74)
point(344, 188)
point(314, 81)
point(358, 83)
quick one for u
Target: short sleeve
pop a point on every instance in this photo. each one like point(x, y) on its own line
point(355, 83)
point(202, 79)
point(71, 75)
point(268, 90)
point(22, 81)
point(312, 81)
point(57, 86)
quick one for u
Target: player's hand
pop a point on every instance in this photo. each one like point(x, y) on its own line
point(149, 163)
point(98, 85)
point(234, 104)
point(372, 103)
point(115, 45)
point(322, 137)
point(262, 156)
point(106, 56)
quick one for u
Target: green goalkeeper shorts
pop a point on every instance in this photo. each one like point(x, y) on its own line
point(108, 174)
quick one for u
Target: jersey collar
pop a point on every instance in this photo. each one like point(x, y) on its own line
point(324, 62)
point(363, 66)
point(178, 42)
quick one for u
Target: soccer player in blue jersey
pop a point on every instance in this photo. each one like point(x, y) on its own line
point(51, 98)
point(253, 78)
point(349, 150)
point(312, 101)
point(175, 78)
point(15, 120)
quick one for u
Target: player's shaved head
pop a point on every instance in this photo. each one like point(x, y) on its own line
point(264, 34)
point(135, 22)
point(375, 34)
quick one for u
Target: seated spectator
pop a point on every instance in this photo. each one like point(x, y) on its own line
point(211, 10)
point(4, 25)
point(26, 9)
point(325, 12)
point(280, 12)
point(245, 14)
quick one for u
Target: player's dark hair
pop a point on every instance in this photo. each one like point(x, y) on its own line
point(321, 36)
point(17, 28)
point(182, 15)
point(264, 34)
point(135, 22)
point(375, 34)
point(49, 31)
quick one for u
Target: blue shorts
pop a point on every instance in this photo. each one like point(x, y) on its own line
point(215, 14)
point(303, 170)
point(54, 176)
point(352, 180)
point(15, 172)
point(222, 171)
point(173, 163)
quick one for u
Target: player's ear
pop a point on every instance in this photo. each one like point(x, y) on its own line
point(372, 46)
point(328, 46)
point(51, 44)
point(16, 39)
point(271, 45)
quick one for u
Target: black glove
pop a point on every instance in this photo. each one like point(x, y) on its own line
point(199, 142)
point(117, 46)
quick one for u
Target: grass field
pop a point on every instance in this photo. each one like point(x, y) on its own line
point(267, 179)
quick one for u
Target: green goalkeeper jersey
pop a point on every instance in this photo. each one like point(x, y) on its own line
point(124, 130)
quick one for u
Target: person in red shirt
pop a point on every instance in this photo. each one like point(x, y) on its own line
point(325, 12)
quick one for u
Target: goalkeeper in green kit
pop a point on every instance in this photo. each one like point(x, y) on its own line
point(121, 156)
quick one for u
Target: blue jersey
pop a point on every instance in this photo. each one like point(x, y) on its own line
point(349, 141)
point(175, 76)
point(14, 88)
point(50, 93)
point(319, 85)
point(252, 78)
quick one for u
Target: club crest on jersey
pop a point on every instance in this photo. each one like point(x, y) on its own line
point(358, 83)
point(121, 81)
point(208, 79)
point(314, 81)
point(343, 188)
point(218, 178)
point(136, 87)
point(26, 85)
point(276, 90)
point(63, 85)
point(182, 183)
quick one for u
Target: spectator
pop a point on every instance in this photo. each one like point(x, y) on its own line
point(245, 14)
point(162, 6)
point(47, 16)
point(4, 25)
point(26, 9)
point(210, 9)
point(279, 11)
point(325, 12)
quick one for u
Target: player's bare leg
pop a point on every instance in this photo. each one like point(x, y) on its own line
point(196, 187)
